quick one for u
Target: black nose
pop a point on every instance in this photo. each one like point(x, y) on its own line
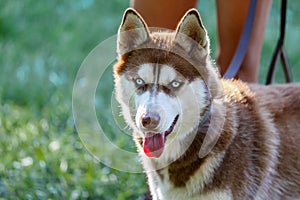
point(150, 120)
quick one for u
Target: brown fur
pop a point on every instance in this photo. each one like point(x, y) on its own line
point(260, 139)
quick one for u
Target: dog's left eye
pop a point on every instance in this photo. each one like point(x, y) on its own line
point(139, 81)
point(175, 84)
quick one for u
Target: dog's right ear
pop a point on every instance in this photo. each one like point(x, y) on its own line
point(132, 32)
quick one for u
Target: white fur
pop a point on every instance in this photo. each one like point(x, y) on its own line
point(167, 111)
point(204, 174)
point(124, 90)
point(167, 107)
point(168, 74)
point(218, 195)
point(146, 72)
point(165, 190)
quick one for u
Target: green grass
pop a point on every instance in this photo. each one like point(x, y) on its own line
point(42, 45)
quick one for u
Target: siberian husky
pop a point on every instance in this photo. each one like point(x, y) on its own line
point(199, 136)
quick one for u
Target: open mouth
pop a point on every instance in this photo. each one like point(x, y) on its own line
point(154, 142)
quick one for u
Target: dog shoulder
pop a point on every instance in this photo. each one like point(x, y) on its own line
point(238, 92)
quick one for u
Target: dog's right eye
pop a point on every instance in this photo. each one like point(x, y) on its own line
point(139, 82)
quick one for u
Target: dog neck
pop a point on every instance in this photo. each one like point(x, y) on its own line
point(189, 162)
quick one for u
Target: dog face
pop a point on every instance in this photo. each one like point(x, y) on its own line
point(162, 92)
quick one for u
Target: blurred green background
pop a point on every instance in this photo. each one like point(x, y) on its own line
point(42, 44)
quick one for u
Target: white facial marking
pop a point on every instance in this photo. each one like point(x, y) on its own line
point(160, 103)
point(187, 100)
point(167, 75)
point(125, 90)
point(168, 107)
point(146, 73)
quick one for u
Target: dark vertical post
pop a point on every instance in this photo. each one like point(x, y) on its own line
point(279, 51)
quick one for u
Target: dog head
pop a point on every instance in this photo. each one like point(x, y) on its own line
point(163, 80)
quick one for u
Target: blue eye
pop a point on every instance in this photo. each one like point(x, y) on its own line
point(139, 81)
point(175, 84)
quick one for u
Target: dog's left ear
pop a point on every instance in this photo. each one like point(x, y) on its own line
point(132, 32)
point(190, 32)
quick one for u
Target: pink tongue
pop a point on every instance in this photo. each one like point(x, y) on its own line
point(154, 144)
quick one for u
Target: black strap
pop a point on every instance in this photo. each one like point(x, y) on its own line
point(243, 43)
point(279, 50)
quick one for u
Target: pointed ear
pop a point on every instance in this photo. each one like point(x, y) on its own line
point(190, 31)
point(133, 31)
